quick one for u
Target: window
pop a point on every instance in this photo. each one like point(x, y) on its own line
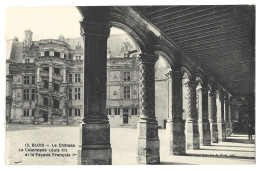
point(125, 110)
point(56, 70)
point(26, 94)
point(77, 112)
point(77, 78)
point(65, 56)
point(126, 76)
point(77, 93)
point(56, 104)
point(26, 80)
point(27, 61)
point(56, 87)
point(45, 84)
point(79, 58)
point(70, 112)
point(70, 78)
point(46, 53)
point(33, 94)
point(33, 79)
point(108, 111)
point(117, 111)
point(70, 94)
point(26, 112)
point(45, 101)
point(134, 111)
point(46, 69)
point(57, 54)
point(33, 112)
point(126, 92)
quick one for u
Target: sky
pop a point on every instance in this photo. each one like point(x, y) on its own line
point(44, 22)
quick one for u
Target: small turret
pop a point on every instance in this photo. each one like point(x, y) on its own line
point(61, 38)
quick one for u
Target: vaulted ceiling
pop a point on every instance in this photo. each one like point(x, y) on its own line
point(221, 39)
point(218, 38)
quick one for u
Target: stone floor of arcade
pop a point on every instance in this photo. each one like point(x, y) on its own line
point(236, 150)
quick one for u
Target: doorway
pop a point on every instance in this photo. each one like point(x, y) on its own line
point(125, 118)
point(45, 117)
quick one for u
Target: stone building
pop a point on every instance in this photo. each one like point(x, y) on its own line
point(45, 82)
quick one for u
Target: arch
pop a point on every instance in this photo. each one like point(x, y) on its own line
point(189, 70)
point(166, 53)
point(201, 77)
point(120, 21)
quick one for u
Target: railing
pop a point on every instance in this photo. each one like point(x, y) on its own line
point(57, 93)
point(57, 111)
point(44, 107)
point(57, 76)
point(44, 74)
point(43, 90)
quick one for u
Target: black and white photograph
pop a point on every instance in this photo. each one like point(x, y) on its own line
point(129, 84)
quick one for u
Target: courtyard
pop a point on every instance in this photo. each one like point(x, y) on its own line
point(62, 142)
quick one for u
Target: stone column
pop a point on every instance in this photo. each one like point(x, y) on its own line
point(229, 133)
point(204, 129)
point(64, 75)
point(175, 124)
point(50, 119)
point(37, 111)
point(192, 129)
point(147, 127)
point(95, 147)
point(221, 122)
point(227, 123)
point(64, 118)
point(50, 76)
point(213, 116)
point(9, 98)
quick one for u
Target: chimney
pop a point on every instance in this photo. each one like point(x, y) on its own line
point(27, 42)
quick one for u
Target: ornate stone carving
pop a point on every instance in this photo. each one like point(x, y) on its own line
point(192, 99)
point(147, 85)
point(212, 107)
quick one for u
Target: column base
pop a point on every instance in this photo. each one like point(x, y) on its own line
point(214, 132)
point(95, 147)
point(177, 139)
point(228, 129)
point(192, 135)
point(221, 132)
point(205, 135)
point(64, 121)
point(148, 142)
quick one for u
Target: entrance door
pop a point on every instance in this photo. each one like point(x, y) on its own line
point(125, 118)
point(45, 117)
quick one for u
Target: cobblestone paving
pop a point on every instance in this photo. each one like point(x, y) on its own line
point(237, 149)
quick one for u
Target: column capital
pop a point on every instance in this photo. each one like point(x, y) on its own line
point(148, 58)
point(94, 28)
point(169, 75)
point(204, 90)
point(191, 83)
point(9, 77)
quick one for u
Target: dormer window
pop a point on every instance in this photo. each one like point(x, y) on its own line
point(56, 70)
point(27, 61)
point(46, 53)
point(57, 54)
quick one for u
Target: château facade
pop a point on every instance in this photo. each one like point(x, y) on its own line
point(45, 82)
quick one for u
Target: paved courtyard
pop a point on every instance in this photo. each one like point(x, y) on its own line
point(237, 149)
